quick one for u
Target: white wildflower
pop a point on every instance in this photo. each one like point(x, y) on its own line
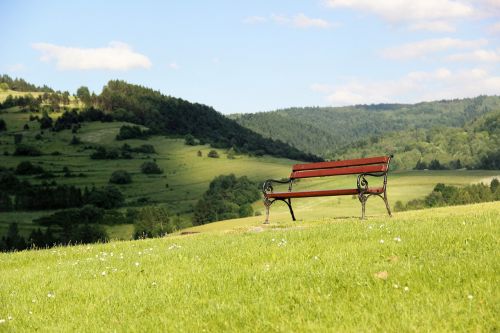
point(2, 321)
point(10, 318)
point(470, 297)
point(103, 273)
point(406, 289)
point(316, 258)
point(136, 263)
point(395, 286)
point(153, 283)
point(397, 239)
point(51, 295)
point(381, 241)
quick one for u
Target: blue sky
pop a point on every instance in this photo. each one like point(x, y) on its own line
point(260, 55)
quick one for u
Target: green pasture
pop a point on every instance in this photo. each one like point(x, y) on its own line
point(429, 270)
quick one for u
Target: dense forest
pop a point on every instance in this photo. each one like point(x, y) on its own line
point(17, 84)
point(334, 133)
point(169, 115)
point(473, 146)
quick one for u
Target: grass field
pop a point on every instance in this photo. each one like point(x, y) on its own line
point(430, 270)
point(186, 176)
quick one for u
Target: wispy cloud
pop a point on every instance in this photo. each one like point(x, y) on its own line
point(422, 48)
point(430, 15)
point(115, 56)
point(435, 26)
point(494, 28)
point(408, 10)
point(442, 83)
point(299, 21)
point(477, 56)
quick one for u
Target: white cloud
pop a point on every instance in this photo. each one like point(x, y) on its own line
point(429, 15)
point(408, 10)
point(425, 47)
point(303, 21)
point(477, 56)
point(116, 56)
point(413, 87)
point(435, 26)
point(299, 21)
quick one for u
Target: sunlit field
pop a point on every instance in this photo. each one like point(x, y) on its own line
point(430, 270)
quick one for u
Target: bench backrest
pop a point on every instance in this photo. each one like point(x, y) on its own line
point(378, 164)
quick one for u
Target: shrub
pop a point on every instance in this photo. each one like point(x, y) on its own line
point(3, 125)
point(120, 177)
point(213, 154)
point(150, 168)
point(25, 150)
point(27, 168)
point(75, 140)
point(190, 140)
point(132, 132)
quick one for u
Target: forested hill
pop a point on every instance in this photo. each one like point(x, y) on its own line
point(476, 145)
point(326, 131)
point(170, 115)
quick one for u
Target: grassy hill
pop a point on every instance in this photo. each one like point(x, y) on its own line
point(336, 132)
point(186, 175)
point(431, 270)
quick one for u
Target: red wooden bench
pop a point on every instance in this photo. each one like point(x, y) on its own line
point(363, 167)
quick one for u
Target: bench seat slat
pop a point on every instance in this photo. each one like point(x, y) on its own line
point(323, 193)
point(340, 164)
point(339, 171)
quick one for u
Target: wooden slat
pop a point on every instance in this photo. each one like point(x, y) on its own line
point(339, 171)
point(340, 164)
point(323, 193)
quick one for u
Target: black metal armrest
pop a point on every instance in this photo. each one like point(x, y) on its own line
point(267, 187)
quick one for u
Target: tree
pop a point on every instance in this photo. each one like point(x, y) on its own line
point(65, 98)
point(150, 168)
point(3, 125)
point(190, 140)
point(152, 222)
point(13, 241)
point(120, 177)
point(45, 121)
point(83, 95)
point(494, 185)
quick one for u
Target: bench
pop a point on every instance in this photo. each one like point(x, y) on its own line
point(363, 167)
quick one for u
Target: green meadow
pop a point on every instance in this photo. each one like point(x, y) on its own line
point(430, 270)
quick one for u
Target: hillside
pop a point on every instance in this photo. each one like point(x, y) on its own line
point(174, 116)
point(432, 270)
point(473, 146)
point(330, 132)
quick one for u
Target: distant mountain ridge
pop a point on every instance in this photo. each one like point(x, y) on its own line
point(330, 132)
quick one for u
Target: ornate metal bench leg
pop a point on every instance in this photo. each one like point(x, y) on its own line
point(267, 204)
point(387, 204)
point(362, 198)
point(289, 203)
